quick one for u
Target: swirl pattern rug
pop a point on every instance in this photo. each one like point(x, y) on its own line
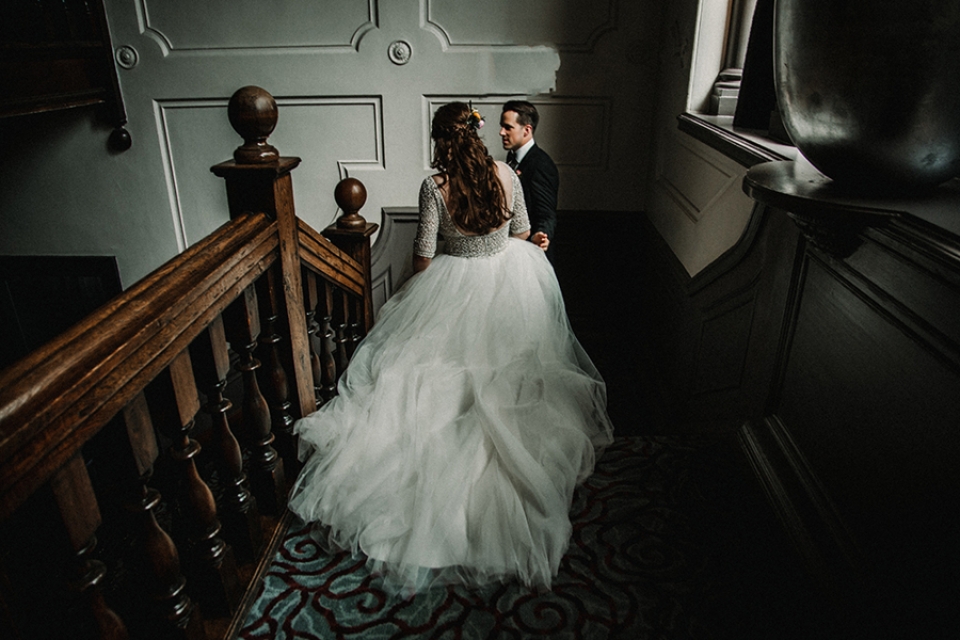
point(643, 563)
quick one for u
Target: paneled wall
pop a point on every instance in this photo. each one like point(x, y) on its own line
point(858, 445)
point(828, 340)
point(710, 341)
point(356, 81)
point(695, 201)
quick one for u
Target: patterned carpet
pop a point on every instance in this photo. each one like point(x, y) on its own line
point(651, 557)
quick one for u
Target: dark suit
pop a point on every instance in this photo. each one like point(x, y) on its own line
point(540, 182)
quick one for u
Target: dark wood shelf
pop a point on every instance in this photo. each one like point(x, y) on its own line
point(57, 55)
point(797, 187)
point(13, 49)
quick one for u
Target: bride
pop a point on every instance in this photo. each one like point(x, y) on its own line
point(470, 412)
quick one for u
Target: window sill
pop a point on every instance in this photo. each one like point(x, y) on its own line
point(749, 147)
point(745, 146)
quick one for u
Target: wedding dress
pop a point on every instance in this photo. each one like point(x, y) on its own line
point(465, 420)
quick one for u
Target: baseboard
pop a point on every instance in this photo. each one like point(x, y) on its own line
point(392, 254)
point(803, 507)
point(280, 528)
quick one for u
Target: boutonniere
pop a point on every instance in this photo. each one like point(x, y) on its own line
point(518, 171)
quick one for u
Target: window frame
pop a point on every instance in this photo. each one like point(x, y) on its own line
point(720, 47)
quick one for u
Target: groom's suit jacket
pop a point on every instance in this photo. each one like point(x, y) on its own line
point(540, 181)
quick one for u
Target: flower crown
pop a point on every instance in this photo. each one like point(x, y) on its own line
point(475, 120)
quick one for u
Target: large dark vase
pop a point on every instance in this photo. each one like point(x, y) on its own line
point(869, 90)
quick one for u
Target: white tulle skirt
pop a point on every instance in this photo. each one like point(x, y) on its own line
point(465, 420)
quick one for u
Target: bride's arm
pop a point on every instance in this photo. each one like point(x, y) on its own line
point(425, 244)
point(519, 222)
point(420, 263)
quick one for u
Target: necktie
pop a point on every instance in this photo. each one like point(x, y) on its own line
point(512, 159)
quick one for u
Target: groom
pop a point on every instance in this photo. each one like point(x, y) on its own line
point(537, 172)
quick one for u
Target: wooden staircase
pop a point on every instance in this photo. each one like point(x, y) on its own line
point(162, 424)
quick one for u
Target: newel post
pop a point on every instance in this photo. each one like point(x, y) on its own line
point(259, 180)
point(351, 233)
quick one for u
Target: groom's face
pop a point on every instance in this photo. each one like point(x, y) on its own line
point(513, 134)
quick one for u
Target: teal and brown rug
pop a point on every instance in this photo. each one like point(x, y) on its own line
point(650, 557)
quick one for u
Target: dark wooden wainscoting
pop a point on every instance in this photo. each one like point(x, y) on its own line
point(836, 362)
point(42, 296)
point(860, 444)
point(859, 441)
point(597, 261)
point(710, 341)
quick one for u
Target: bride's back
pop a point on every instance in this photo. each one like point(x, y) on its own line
point(503, 177)
point(476, 189)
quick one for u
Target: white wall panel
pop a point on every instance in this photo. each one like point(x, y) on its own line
point(569, 25)
point(345, 109)
point(694, 196)
point(210, 25)
point(334, 134)
point(577, 131)
point(693, 176)
point(574, 130)
point(696, 202)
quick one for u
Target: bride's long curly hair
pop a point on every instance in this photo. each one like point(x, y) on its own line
point(475, 199)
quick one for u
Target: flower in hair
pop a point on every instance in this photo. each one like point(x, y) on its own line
point(475, 120)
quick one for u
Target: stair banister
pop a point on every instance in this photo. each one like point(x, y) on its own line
point(134, 398)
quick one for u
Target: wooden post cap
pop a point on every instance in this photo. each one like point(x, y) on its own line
point(253, 114)
point(350, 195)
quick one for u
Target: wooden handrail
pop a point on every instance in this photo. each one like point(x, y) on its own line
point(330, 262)
point(56, 398)
point(142, 361)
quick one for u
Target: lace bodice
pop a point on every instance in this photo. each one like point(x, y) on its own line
point(434, 219)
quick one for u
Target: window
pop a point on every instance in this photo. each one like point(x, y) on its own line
point(723, 30)
point(726, 90)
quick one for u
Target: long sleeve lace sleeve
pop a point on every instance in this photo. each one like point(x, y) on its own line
point(425, 244)
point(520, 221)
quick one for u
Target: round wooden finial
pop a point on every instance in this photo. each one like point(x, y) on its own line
point(120, 139)
point(350, 195)
point(253, 114)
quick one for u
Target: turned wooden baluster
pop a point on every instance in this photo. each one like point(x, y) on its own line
point(328, 346)
point(343, 344)
point(338, 314)
point(242, 324)
point(77, 504)
point(356, 332)
point(311, 299)
point(239, 512)
point(349, 332)
point(213, 572)
point(177, 614)
point(276, 389)
point(345, 331)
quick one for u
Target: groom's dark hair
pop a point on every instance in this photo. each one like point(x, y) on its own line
point(526, 112)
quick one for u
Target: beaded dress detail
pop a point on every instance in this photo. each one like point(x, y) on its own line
point(435, 218)
point(464, 422)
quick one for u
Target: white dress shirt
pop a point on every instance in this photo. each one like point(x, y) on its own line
point(522, 151)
